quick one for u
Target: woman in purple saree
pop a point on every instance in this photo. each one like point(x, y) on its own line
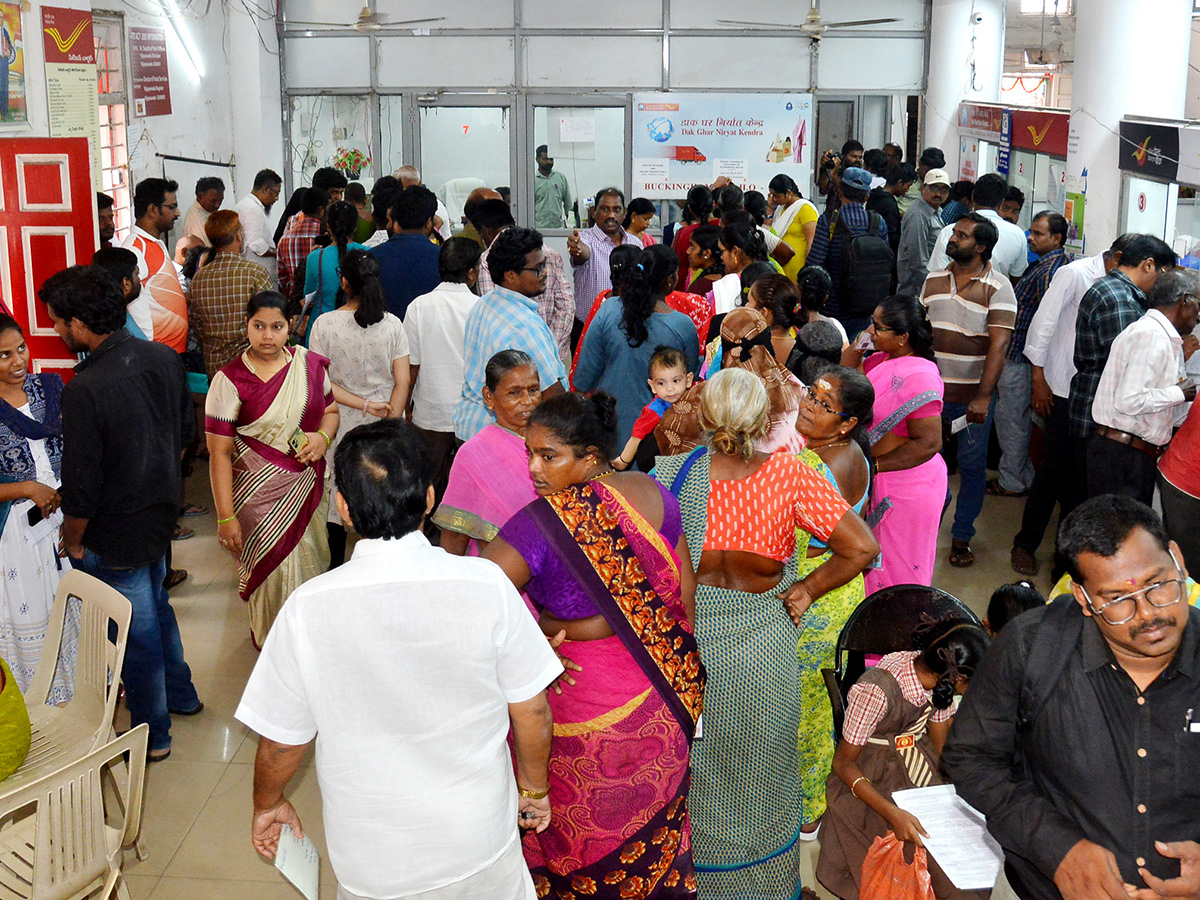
point(600, 555)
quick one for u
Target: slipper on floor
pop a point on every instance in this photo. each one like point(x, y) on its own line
point(191, 509)
point(175, 577)
point(961, 557)
point(182, 534)
point(995, 490)
point(158, 755)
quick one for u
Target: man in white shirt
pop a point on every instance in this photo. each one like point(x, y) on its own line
point(408, 665)
point(436, 325)
point(1011, 255)
point(210, 194)
point(1050, 349)
point(1144, 392)
point(252, 212)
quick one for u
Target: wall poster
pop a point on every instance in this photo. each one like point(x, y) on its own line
point(682, 139)
point(71, 78)
point(13, 107)
point(149, 78)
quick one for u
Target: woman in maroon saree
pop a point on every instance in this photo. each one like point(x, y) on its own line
point(600, 554)
point(270, 416)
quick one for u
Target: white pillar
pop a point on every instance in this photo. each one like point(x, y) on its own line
point(257, 114)
point(966, 61)
point(1130, 59)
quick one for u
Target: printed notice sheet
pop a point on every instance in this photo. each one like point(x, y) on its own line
point(299, 861)
point(958, 837)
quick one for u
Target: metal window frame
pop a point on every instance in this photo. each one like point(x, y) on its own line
point(519, 98)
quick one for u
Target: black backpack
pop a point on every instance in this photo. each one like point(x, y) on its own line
point(866, 276)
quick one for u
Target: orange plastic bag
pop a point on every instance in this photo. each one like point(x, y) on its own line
point(886, 876)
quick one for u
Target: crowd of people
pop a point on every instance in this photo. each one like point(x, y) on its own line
point(680, 467)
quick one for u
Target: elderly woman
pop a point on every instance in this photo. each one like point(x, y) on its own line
point(270, 416)
point(30, 471)
point(615, 353)
point(906, 440)
point(741, 509)
point(745, 344)
point(489, 480)
point(602, 555)
point(833, 420)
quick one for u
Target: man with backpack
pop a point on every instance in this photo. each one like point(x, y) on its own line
point(851, 243)
point(1079, 737)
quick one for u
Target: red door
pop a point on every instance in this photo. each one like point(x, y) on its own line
point(47, 222)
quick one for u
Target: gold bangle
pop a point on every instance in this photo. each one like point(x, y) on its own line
point(223, 521)
point(328, 439)
point(854, 783)
point(532, 795)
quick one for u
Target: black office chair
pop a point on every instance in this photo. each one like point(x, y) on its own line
point(884, 623)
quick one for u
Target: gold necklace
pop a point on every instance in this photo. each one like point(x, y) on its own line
point(816, 447)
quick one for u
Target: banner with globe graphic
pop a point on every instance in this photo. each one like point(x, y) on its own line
point(684, 139)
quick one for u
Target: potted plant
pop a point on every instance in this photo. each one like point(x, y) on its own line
point(350, 162)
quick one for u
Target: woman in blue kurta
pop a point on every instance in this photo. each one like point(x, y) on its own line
point(616, 350)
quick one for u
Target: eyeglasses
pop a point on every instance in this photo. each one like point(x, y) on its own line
point(538, 269)
point(812, 395)
point(880, 328)
point(1161, 594)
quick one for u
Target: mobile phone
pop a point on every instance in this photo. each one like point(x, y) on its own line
point(35, 515)
point(298, 440)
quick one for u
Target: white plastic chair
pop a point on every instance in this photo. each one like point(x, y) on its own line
point(85, 723)
point(56, 841)
point(454, 194)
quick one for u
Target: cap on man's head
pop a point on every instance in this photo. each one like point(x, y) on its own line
point(857, 178)
point(937, 176)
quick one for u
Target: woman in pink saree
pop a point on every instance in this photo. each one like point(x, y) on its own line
point(270, 416)
point(909, 492)
point(602, 555)
point(489, 480)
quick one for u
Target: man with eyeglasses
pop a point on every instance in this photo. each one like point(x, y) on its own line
point(506, 318)
point(591, 249)
point(155, 209)
point(1079, 737)
point(1144, 393)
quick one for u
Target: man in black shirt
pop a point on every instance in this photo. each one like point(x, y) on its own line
point(1078, 737)
point(127, 416)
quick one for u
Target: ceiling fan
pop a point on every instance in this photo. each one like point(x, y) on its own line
point(812, 26)
point(368, 20)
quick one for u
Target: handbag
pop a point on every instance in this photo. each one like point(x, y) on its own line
point(300, 329)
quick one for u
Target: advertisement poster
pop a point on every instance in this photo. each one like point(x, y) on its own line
point(149, 78)
point(1150, 150)
point(12, 66)
point(71, 76)
point(1076, 199)
point(1004, 149)
point(684, 139)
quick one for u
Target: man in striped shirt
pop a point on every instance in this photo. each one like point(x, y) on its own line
point(972, 309)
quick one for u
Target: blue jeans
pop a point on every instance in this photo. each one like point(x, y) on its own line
point(156, 677)
point(972, 469)
point(1014, 424)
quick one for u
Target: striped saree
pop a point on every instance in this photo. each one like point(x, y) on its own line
point(619, 755)
point(279, 502)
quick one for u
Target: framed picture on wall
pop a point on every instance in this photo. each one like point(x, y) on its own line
point(13, 101)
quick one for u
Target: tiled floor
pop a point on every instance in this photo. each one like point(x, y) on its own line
point(198, 803)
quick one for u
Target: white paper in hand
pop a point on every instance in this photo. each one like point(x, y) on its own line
point(300, 862)
point(958, 837)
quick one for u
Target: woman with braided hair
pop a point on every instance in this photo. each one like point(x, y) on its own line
point(897, 717)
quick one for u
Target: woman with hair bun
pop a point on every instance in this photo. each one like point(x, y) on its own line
point(322, 268)
point(906, 440)
point(614, 354)
point(898, 715)
point(602, 556)
point(741, 509)
point(367, 349)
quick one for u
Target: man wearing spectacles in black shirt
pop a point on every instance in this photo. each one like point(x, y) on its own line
point(1079, 737)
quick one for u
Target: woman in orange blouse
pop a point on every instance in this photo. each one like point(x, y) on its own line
point(740, 509)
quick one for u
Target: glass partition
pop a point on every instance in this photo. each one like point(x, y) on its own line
point(323, 124)
point(587, 146)
point(463, 148)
